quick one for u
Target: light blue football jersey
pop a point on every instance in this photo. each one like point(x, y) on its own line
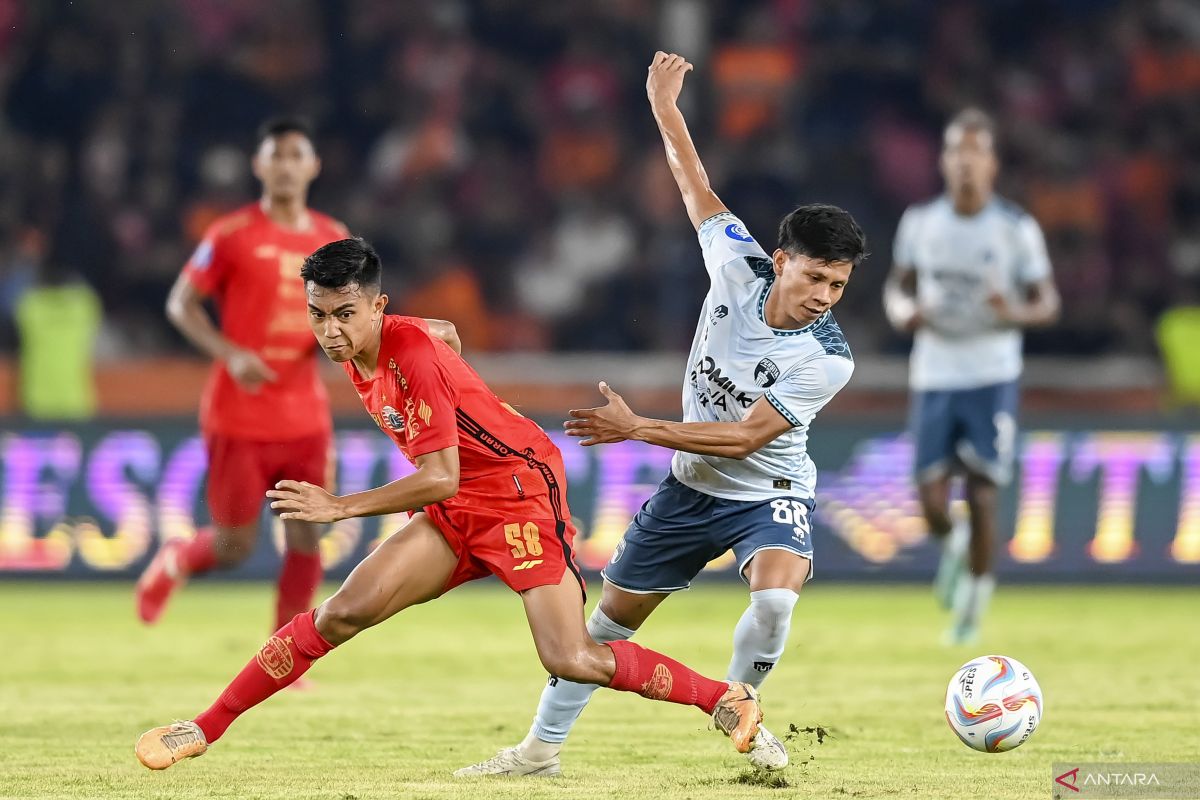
point(736, 358)
point(959, 262)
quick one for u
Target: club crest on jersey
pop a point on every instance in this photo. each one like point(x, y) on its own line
point(766, 373)
point(393, 419)
point(737, 231)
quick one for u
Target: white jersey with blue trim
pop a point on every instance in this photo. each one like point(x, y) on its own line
point(959, 262)
point(737, 358)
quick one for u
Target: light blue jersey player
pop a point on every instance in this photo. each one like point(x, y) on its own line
point(767, 356)
point(971, 271)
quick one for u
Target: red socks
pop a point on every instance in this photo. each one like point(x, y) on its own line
point(198, 554)
point(653, 675)
point(299, 578)
point(285, 657)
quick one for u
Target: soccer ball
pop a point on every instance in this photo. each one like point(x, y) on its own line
point(993, 704)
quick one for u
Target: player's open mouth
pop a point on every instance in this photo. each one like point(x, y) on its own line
point(816, 312)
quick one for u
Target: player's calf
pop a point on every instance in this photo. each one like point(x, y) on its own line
point(341, 618)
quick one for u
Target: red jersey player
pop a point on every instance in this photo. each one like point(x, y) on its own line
point(488, 496)
point(264, 414)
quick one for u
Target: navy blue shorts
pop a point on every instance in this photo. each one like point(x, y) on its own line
point(679, 530)
point(970, 428)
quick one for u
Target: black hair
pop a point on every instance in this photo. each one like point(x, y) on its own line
point(278, 126)
point(826, 233)
point(346, 262)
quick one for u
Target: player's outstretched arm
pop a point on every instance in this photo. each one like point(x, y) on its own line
point(616, 422)
point(185, 310)
point(662, 88)
point(435, 480)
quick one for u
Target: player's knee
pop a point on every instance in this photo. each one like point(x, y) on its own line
point(936, 514)
point(772, 609)
point(612, 622)
point(570, 663)
point(302, 537)
point(231, 550)
point(339, 619)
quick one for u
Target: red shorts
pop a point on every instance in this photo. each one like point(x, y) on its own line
point(240, 471)
point(514, 525)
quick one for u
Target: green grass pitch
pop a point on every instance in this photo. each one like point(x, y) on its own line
point(396, 710)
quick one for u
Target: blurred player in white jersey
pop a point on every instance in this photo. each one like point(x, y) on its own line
point(766, 358)
point(970, 272)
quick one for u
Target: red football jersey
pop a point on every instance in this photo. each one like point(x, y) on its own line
point(250, 266)
point(426, 398)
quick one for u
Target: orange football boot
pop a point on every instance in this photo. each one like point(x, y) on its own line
point(159, 748)
point(737, 715)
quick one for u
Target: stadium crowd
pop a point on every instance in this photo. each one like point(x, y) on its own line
point(501, 155)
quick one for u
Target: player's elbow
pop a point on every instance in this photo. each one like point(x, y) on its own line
point(443, 485)
point(178, 308)
point(749, 441)
point(174, 310)
point(1053, 311)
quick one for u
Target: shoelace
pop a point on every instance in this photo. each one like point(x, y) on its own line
point(181, 734)
point(505, 758)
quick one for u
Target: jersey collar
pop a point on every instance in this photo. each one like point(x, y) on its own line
point(762, 317)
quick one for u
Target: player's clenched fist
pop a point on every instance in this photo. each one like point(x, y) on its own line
point(666, 78)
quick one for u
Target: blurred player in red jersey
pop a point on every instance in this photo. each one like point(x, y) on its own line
point(488, 497)
point(264, 414)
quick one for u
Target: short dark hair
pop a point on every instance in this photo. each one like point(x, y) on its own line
point(278, 126)
point(826, 233)
point(973, 119)
point(346, 262)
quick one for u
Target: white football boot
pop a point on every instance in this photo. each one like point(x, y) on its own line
point(510, 763)
point(767, 752)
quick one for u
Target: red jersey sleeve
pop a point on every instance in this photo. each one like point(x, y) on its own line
point(428, 393)
point(207, 267)
point(416, 322)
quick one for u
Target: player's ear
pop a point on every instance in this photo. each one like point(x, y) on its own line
point(381, 301)
point(779, 259)
point(258, 161)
